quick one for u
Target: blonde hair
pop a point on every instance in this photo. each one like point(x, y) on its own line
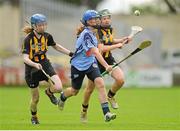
point(27, 29)
point(79, 29)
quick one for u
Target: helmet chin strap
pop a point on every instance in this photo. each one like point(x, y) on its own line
point(34, 28)
point(106, 27)
point(96, 26)
point(39, 33)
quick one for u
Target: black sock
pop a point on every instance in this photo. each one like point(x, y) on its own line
point(33, 113)
point(110, 94)
point(85, 107)
point(62, 97)
point(105, 107)
point(50, 91)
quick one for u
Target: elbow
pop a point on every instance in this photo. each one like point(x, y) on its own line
point(105, 49)
point(25, 60)
point(55, 47)
point(95, 52)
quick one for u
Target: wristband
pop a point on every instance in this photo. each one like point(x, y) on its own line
point(71, 54)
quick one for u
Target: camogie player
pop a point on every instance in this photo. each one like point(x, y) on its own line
point(106, 43)
point(34, 51)
point(84, 63)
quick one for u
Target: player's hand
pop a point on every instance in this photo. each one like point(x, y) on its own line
point(71, 54)
point(120, 45)
point(126, 40)
point(109, 68)
point(129, 39)
point(38, 66)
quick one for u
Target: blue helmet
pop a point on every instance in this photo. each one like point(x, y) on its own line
point(37, 18)
point(89, 14)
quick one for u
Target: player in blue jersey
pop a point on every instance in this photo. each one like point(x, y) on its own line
point(84, 63)
point(107, 42)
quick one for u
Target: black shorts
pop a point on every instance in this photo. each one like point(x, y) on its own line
point(77, 76)
point(34, 76)
point(110, 60)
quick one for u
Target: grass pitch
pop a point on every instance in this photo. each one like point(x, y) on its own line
point(139, 109)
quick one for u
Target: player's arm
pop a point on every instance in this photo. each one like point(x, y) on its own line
point(116, 40)
point(99, 57)
point(58, 47)
point(30, 62)
point(63, 50)
point(105, 48)
point(90, 49)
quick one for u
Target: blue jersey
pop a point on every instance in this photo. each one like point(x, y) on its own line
point(82, 60)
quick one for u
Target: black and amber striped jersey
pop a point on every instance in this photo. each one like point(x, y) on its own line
point(105, 36)
point(35, 47)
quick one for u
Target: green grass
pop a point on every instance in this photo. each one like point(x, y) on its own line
point(139, 109)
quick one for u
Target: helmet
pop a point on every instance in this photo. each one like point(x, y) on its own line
point(37, 18)
point(89, 14)
point(104, 12)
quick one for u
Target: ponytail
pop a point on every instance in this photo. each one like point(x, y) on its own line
point(27, 29)
point(79, 29)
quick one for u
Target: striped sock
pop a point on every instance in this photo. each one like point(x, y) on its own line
point(34, 114)
point(85, 107)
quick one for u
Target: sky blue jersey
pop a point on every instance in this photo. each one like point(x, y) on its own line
point(82, 60)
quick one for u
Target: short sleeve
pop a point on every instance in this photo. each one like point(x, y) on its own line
point(88, 42)
point(26, 46)
point(51, 41)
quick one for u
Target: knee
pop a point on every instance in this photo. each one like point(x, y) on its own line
point(57, 88)
point(120, 82)
point(99, 83)
point(74, 92)
point(89, 90)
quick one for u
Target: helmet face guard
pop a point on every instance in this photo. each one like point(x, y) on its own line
point(88, 15)
point(37, 18)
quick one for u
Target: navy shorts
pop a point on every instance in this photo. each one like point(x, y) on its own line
point(77, 76)
point(34, 76)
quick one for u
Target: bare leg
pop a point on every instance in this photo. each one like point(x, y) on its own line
point(99, 83)
point(33, 104)
point(118, 75)
point(88, 91)
point(34, 99)
point(87, 94)
point(68, 92)
point(56, 88)
point(103, 100)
